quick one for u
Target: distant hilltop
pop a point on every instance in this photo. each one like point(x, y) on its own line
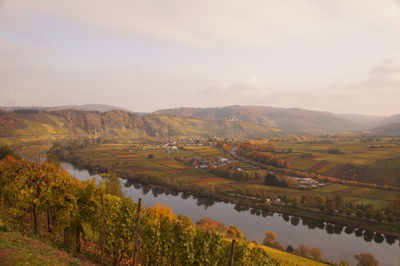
point(83, 107)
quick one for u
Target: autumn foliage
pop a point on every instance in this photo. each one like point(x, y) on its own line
point(66, 208)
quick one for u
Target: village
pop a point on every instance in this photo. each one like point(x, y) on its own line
point(307, 182)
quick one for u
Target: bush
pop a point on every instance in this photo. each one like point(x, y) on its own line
point(3, 227)
point(4, 151)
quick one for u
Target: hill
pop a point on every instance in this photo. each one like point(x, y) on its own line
point(387, 126)
point(365, 121)
point(123, 124)
point(294, 120)
point(387, 130)
point(387, 121)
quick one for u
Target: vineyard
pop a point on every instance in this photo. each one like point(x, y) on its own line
point(44, 199)
point(364, 160)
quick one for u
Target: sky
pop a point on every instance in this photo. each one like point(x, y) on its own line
point(340, 56)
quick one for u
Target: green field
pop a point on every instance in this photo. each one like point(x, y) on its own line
point(134, 157)
point(368, 161)
point(206, 151)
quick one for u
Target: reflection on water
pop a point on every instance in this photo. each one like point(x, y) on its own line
point(337, 242)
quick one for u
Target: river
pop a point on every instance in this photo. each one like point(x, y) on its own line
point(334, 242)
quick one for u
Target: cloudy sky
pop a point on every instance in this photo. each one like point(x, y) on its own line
point(332, 55)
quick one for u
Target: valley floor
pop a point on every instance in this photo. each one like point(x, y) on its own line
point(132, 160)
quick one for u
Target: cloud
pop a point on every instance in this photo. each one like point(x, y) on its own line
point(306, 40)
point(214, 22)
point(16, 56)
point(376, 92)
point(28, 80)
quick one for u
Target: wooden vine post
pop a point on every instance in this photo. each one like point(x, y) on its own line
point(137, 231)
point(176, 227)
point(232, 254)
point(103, 225)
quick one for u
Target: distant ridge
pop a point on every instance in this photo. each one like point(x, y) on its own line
point(84, 107)
point(387, 130)
point(393, 119)
point(229, 121)
point(293, 120)
point(366, 121)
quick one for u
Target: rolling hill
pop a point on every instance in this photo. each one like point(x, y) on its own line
point(387, 121)
point(293, 120)
point(365, 121)
point(387, 130)
point(123, 124)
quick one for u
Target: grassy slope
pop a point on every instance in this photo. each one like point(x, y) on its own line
point(16, 249)
point(290, 259)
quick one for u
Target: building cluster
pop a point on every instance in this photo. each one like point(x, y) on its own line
point(306, 182)
point(204, 163)
point(174, 144)
point(193, 141)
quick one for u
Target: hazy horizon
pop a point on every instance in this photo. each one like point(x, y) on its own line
point(336, 56)
point(178, 107)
